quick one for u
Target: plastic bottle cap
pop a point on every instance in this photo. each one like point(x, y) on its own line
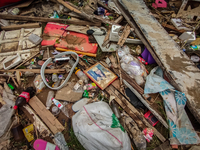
point(52, 98)
point(77, 71)
point(15, 107)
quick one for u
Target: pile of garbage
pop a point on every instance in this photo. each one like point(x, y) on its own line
point(88, 75)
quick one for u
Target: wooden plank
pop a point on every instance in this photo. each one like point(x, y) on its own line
point(126, 108)
point(53, 124)
point(41, 127)
point(119, 19)
point(180, 70)
point(124, 35)
point(15, 27)
point(131, 81)
point(122, 101)
point(172, 27)
point(146, 104)
point(27, 60)
point(42, 19)
point(48, 71)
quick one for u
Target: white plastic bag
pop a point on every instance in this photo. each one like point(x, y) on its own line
point(155, 82)
point(97, 128)
point(6, 112)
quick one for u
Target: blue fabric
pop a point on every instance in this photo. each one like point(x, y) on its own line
point(181, 129)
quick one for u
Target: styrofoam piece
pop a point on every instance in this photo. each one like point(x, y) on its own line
point(14, 61)
point(35, 39)
point(189, 36)
point(114, 36)
point(178, 24)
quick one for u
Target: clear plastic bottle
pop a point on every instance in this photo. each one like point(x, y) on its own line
point(54, 77)
point(60, 141)
point(61, 106)
point(49, 97)
point(82, 76)
point(115, 109)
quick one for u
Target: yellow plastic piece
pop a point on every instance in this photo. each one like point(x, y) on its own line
point(29, 136)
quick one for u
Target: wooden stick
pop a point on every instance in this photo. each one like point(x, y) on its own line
point(124, 35)
point(119, 19)
point(15, 82)
point(172, 27)
point(119, 67)
point(146, 104)
point(104, 5)
point(78, 52)
point(81, 13)
point(15, 27)
point(130, 109)
point(18, 77)
point(27, 60)
point(48, 71)
point(42, 19)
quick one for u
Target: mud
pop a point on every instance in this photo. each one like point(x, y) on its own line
point(74, 40)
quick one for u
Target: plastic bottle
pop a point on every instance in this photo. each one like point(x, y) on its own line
point(61, 106)
point(86, 94)
point(24, 97)
point(90, 86)
point(54, 77)
point(195, 47)
point(115, 109)
point(60, 141)
point(49, 99)
point(10, 86)
point(82, 76)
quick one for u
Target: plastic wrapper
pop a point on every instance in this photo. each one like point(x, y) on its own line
point(6, 112)
point(123, 51)
point(60, 141)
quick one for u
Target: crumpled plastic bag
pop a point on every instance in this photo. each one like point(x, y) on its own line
point(6, 112)
point(155, 82)
point(97, 128)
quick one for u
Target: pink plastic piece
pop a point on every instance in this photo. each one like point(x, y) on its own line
point(40, 144)
point(159, 3)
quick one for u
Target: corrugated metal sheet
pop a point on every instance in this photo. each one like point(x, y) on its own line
point(177, 64)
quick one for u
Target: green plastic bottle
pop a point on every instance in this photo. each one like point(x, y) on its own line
point(195, 47)
point(10, 86)
point(86, 94)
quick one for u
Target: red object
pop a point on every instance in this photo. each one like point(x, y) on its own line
point(151, 118)
point(160, 3)
point(40, 144)
point(148, 134)
point(142, 60)
point(24, 97)
point(8, 2)
point(56, 34)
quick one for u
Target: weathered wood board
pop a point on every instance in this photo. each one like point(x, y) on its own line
point(47, 117)
point(181, 69)
point(17, 40)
